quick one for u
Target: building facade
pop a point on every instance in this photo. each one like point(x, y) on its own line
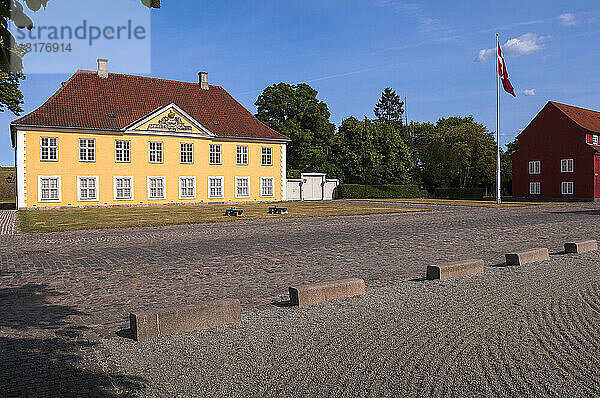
point(558, 155)
point(112, 139)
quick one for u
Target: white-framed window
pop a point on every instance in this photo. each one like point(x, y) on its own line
point(215, 187)
point(48, 188)
point(187, 187)
point(266, 186)
point(49, 149)
point(155, 152)
point(534, 167)
point(122, 151)
point(123, 187)
point(186, 150)
point(242, 187)
point(241, 155)
point(156, 187)
point(534, 188)
point(214, 154)
point(566, 165)
point(266, 156)
point(87, 150)
point(566, 188)
point(594, 139)
point(87, 188)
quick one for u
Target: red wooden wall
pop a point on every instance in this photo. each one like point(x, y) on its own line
point(550, 137)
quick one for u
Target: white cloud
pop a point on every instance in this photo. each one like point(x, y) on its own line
point(567, 19)
point(522, 45)
point(529, 92)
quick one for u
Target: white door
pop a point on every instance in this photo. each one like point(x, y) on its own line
point(312, 188)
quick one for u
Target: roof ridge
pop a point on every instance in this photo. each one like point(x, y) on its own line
point(146, 77)
point(573, 106)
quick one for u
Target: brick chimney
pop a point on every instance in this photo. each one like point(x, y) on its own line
point(203, 80)
point(102, 68)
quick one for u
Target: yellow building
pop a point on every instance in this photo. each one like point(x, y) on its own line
point(113, 139)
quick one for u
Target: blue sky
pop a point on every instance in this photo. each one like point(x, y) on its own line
point(430, 52)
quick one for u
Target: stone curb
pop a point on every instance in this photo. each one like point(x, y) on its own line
point(581, 246)
point(527, 256)
point(164, 322)
point(454, 269)
point(317, 293)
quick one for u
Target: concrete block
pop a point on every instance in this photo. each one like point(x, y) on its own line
point(319, 292)
point(581, 247)
point(150, 324)
point(528, 256)
point(455, 269)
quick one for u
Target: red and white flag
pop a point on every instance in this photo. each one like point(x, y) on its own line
point(503, 73)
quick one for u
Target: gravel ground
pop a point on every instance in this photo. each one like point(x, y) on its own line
point(510, 332)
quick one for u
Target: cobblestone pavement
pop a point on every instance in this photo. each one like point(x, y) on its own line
point(8, 222)
point(64, 290)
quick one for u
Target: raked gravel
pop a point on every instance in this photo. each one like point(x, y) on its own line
point(510, 332)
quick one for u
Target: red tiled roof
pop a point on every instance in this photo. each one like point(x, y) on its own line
point(86, 100)
point(589, 120)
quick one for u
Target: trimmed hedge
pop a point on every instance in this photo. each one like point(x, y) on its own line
point(459, 193)
point(357, 191)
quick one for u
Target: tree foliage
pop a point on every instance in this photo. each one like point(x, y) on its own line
point(506, 165)
point(456, 151)
point(11, 57)
point(389, 108)
point(295, 111)
point(10, 95)
point(369, 152)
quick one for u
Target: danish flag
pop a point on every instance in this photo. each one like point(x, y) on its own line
point(503, 73)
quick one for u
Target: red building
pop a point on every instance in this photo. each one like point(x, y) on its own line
point(558, 155)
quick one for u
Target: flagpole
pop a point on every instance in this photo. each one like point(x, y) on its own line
point(498, 183)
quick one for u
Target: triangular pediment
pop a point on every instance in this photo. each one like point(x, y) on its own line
point(169, 119)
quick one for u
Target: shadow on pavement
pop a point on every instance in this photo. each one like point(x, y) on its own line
point(42, 349)
point(284, 303)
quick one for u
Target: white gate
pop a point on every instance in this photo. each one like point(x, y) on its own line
point(311, 186)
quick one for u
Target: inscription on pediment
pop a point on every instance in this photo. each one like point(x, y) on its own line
point(171, 122)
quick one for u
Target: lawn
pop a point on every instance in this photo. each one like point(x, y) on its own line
point(457, 202)
point(123, 217)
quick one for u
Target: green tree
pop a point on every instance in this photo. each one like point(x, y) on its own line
point(10, 94)
point(370, 152)
point(389, 108)
point(455, 152)
point(295, 111)
point(506, 166)
point(11, 58)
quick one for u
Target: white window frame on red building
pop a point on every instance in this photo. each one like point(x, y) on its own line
point(566, 188)
point(535, 167)
point(535, 188)
point(566, 165)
